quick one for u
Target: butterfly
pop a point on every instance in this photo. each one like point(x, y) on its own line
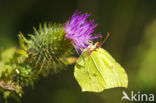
point(96, 70)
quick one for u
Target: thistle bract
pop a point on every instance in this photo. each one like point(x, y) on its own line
point(47, 48)
point(79, 30)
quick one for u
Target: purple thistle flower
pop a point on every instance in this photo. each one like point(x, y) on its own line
point(79, 31)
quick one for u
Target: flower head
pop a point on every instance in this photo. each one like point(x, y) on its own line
point(79, 30)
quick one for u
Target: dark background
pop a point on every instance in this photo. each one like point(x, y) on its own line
point(132, 27)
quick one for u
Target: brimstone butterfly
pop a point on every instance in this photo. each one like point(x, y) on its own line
point(96, 70)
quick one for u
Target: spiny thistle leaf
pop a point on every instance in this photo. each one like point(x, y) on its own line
point(6, 56)
point(47, 48)
point(15, 73)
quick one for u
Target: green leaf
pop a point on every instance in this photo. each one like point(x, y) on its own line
point(8, 54)
point(98, 71)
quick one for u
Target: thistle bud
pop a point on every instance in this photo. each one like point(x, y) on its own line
point(47, 48)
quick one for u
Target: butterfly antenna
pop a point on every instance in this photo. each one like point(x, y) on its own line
point(106, 37)
point(100, 36)
point(99, 45)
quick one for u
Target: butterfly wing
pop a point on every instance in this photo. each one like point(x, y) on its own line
point(112, 72)
point(87, 75)
point(99, 71)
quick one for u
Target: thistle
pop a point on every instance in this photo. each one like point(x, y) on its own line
point(47, 48)
point(79, 30)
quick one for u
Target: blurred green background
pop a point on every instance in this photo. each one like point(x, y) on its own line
point(132, 27)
